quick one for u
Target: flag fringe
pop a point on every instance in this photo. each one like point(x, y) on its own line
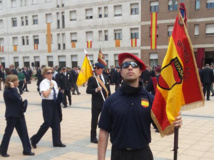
point(192, 105)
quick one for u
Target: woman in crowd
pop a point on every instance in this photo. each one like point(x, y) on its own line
point(51, 111)
point(14, 117)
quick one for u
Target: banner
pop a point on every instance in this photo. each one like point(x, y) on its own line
point(89, 44)
point(73, 44)
point(117, 43)
point(153, 30)
point(15, 48)
point(85, 72)
point(101, 58)
point(49, 37)
point(35, 46)
point(134, 42)
point(179, 86)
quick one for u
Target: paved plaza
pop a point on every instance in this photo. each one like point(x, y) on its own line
point(196, 137)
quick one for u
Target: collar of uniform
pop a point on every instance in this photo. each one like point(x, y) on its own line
point(127, 89)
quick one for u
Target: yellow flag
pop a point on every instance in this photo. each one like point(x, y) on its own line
point(85, 72)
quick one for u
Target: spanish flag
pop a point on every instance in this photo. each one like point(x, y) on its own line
point(85, 72)
point(73, 44)
point(153, 30)
point(179, 86)
point(35, 46)
point(89, 44)
point(101, 58)
point(134, 42)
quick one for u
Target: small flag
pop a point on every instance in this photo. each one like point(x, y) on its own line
point(101, 58)
point(134, 42)
point(73, 44)
point(89, 44)
point(15, 48)
point(117, 43)
point(35, 46)
point(144, 103)
point(49, 37)
point(154, 30)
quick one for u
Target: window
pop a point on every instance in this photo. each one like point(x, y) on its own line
point(197, 4)
point(1, 4)
point(89, 36)
point(209, 29)
point(48, 18)
point(154, 6)
point(22, 21)
point(170, 29)
point(74, 61)
point(1, 41)
point(100, 12)
point(210, 3)
point(15, 41)
point(117, 11)
point(63, 41)
point(100, 35)
point(74, 37)
point(58, 3)
point(23, 2)
point(35, 19)
point(91, 58)
point(34, 1)
point(63, 3)
point(36, 39)
point(118, 34)
point(62, 61)
point(58, 20)
point(14, 22)
point(89, 14)
point(153, 59)
point(73, 15)
point(26, 20)
point(59, 41)
point(63, 20)
point(196, 30)
point(173, 5)
point(23, 41)
point(50, 61)
point(48, 0)
point(1, 23)
point(27, 40)
point(106, 35)
point(13, 3)
point(116, 60)
point(134, 9)
point(105, 11)
point(134, 33)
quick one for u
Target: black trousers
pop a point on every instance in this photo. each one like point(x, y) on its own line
point(94, 120)
point(206, 89)
point(21, 128)
point(25, 87)
point(141, 154)
point(21, 86)
point(67, 93)
point(51, 119)
point(75, 89)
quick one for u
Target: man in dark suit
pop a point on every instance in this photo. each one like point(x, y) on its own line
point(12, 68)
point(74, 74)
point(145, 77)
point(27, 77)
point(207, 80)
point(117, 79)
point(97, 99)
point(65, 84)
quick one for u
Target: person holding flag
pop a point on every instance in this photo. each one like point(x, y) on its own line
point(126, 115)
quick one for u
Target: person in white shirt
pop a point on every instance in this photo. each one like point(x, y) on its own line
point(51, 114)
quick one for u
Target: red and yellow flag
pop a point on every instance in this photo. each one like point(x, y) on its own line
point(153, 30)
point(101, 58)
point(134, 42)
point(89, 44)
point(35, 46)
point(85, 72)
point(179, 86)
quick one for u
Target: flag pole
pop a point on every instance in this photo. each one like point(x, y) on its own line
point(95, 78)
point(176, 129)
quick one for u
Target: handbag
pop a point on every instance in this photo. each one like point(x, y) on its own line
point(24, 105)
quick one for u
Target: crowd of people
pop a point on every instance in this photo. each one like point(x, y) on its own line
point(56, 85)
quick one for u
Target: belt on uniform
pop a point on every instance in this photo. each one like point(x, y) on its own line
point(132, 149)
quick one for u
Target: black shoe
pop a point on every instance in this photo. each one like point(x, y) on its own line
point(156, 130)
point(28, 153)
point(60, 145)
point(212, 95)
point(27, 91)
point(65, 106)
point(5, 155)
point(208, 99)
point(94, 140)
point(32, 143)
point(74, 93)
point(79, 93)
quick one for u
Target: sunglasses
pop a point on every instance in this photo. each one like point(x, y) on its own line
point(49, 72)
point(96, 68)
point(126, 65)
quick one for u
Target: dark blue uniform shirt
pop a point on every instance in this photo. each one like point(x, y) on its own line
point(126, 116)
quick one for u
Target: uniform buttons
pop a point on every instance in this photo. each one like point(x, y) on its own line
point(132, 104)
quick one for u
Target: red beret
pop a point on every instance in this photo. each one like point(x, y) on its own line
point(123, 56)
point(158, 69)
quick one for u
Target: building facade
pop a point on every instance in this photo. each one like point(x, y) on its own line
point(56, 32)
